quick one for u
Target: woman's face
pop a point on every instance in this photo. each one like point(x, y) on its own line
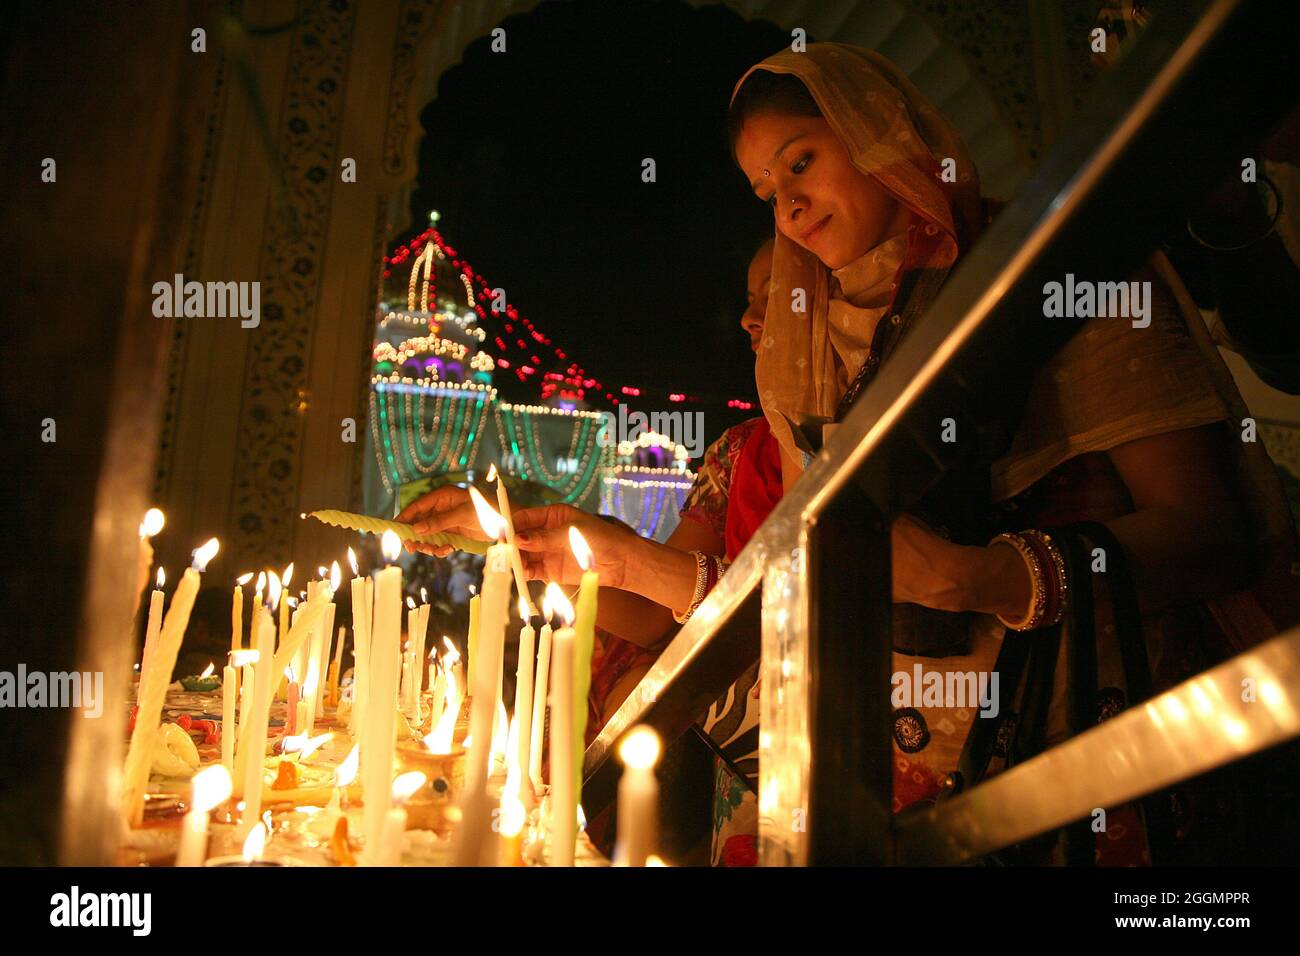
point(760, 277)
point(820, 199)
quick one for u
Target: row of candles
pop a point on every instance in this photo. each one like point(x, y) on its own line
point(561, 657)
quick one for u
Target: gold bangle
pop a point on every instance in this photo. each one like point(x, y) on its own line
point(1038, 600)
point(701, 579)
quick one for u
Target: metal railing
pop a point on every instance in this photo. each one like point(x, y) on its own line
point(1200, 84)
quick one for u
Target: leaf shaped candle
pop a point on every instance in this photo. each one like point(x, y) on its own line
point(356, 522)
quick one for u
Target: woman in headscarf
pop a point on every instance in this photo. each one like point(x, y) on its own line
point(1128, 447)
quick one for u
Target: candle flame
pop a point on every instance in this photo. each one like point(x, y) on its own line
point(523, 609)
point(493, 525)
point(410, 602)
point(291, 601)
point(582, 818)
point(293, 743)
point(513, 816)
point(322, 572)
point(391, 546)
point(559, 604)
point(352, 560)
point(261, 582)
point(287, 576)
point(211, 787)
point(639, 749)
point(452, 655)
point(424, 596)
point(242, 658)
point(207, 671)
point(578, 545)
point(405, 785)
point(492, 472)
point(336, 577)
point(347, 771)
point(244, 579)
point(653, 860)
point(162, 577)
point(205, 554)
point(439, 739)
point(255, 843)
point(153, 523)
point(273, 590)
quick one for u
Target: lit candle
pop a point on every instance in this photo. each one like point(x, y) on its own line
point(538, 734)
point(389, 851)
point(471, 641)
point(417, 657)
point(211, 786)
point(284, 607)
point(153, 686)
point(229, 689)
point(494, 611)
point(516, 563)
point(154, 625)
point(438, 691)
point(251, 756)
point(564, 796)
point(257, 604)
point(377, 742)
point(237, 623)
point(454, 661)
point(638, 798)
point(361, 607)
point(336, 579)
point(523, 716)
point(584, 643)
point(439, 740)
point(512, 818)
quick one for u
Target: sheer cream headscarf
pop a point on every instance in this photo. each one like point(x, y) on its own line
point(807, 359)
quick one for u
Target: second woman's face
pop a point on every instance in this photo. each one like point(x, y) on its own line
point(820, 199)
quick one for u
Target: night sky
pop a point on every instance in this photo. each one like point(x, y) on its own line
point(533, 158)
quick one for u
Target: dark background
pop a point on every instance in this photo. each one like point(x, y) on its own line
point(533, 159)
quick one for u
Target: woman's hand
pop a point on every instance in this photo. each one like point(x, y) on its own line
point(449, 509)
point(543, 538)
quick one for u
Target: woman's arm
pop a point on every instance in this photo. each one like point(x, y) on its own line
point(1184, 539)
point(635, 617)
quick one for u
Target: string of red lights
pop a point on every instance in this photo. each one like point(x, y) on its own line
point(574, 382)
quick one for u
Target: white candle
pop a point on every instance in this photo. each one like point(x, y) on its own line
point(564, 802)
point(229, 681)
point(362, 601)
point(154, 625)
point(210, 786)
point(537, 737)
point(377, 742)
point(389, 851)
point(638, 798)
point(494, 612)
point(516, 563)
point(523, 716)
point(417, 659)
point(252, 745)
point(153, 686)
